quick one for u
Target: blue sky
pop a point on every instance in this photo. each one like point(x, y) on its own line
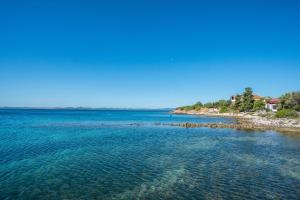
point(145, 53)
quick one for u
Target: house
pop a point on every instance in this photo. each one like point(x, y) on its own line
point(233, 99)
point(272, 104)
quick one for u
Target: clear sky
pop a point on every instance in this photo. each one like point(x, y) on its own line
point(145, 53)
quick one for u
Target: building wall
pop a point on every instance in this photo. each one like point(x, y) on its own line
point(272, 107)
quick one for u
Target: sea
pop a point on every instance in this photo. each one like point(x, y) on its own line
point(137, 154)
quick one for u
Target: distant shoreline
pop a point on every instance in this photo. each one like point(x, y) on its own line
point(82, 108)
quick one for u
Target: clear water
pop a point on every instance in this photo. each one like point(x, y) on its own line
point(61, 154)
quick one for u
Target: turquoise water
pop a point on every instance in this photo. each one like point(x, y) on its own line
point(68, 154)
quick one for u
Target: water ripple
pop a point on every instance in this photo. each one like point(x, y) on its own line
point(58, 156)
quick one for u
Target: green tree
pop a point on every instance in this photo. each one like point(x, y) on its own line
point(223, 103)
point(259, 105)
point(197, 106)
point(290, 101)
point(209, 105)
point(238, 103)
point(248, 101)
point(223, 109)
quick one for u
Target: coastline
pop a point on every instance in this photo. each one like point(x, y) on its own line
point(244, 121)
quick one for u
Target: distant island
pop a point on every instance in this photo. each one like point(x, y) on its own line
point(251, 111)
point(81, 108)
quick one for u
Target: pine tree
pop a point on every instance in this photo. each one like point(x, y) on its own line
point(248, 101)
point(238, 103)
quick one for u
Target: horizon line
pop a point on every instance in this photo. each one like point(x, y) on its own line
point(78, 108)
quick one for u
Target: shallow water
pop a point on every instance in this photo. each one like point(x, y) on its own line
point(68, 154)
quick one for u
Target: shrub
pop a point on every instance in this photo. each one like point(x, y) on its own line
point(209, 105)
point(286, 113)
point(259, 105)
point(290, 101)
point(297, 108)
point(197, 106)
point(224, 109)
point(223, 102)
point(187, 108)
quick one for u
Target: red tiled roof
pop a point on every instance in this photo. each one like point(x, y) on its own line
point(273, 101)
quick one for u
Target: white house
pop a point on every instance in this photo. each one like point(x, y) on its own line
point(272, 104)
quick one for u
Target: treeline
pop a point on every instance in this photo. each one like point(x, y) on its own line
point(224, 104)
point(290, 101)
point(244, 102)
point(288, 107)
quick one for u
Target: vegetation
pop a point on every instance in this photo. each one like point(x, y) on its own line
point(290, 101)
point(224, 109)
point(286, 113)
point(197, 106)
point(289, 104)
point(209, 105)
point(248, 101)
point(259, 105)
point(237, 106)
point(218, 104)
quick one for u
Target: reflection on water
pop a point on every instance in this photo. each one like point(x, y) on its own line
point(96, 155)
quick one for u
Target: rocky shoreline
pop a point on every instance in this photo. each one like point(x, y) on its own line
point(244, 121)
